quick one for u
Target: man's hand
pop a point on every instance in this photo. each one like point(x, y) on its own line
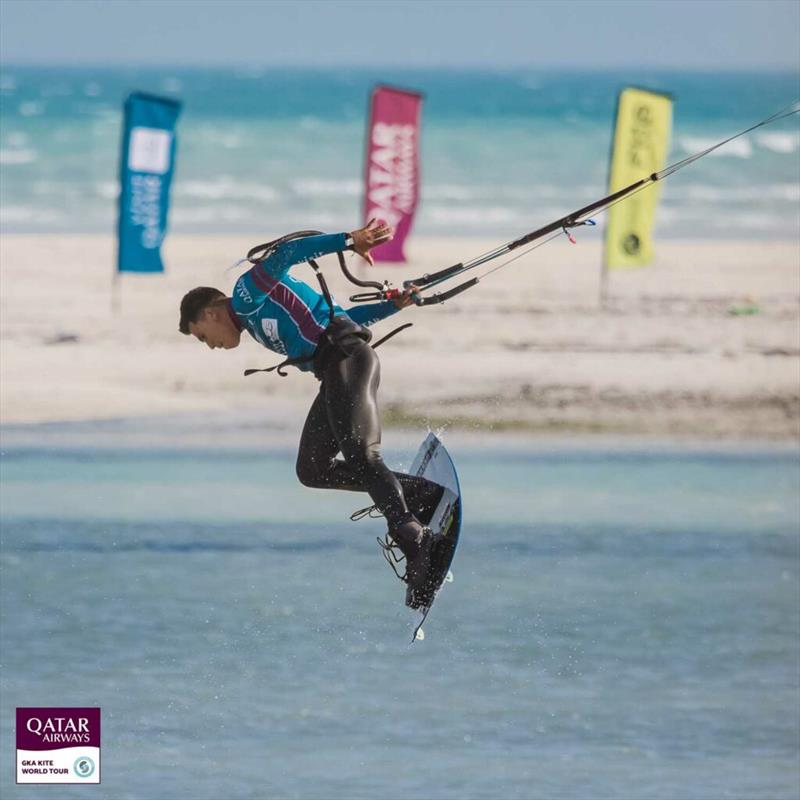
point(407, 297)
point(371, 235)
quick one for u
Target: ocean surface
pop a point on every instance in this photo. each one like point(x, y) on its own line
point(624, 623)
point(283, 148)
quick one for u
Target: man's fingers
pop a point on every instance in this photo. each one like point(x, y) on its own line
point(375, 232)
point(382, 232)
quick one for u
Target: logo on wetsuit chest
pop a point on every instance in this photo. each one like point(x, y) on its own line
point(270, 329)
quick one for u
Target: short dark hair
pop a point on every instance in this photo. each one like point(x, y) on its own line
point(194, 303)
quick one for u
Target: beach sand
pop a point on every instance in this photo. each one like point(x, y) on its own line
point(530, 350)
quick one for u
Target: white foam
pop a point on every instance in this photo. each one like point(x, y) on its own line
point(16, 139)
point(313, 187)
point(779, 142)
point(757, 221)
point(738, 148)
point(789, 192)
point(212, 213)
point(230, 137)
point(742, 221)
point(452, 191)
point(528, 195)
point(31, 108)
point(107, 189)
point(481, 215)
point(17, 214)
point(225, 188)
point(15, 156)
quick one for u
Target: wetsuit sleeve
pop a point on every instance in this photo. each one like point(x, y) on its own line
point(297, 251)
point(372, 312)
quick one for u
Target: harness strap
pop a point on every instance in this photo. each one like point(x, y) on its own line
point(289, 362)
point(392, 333)
point(326, 292)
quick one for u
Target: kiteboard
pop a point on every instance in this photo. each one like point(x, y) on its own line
point(434, 463)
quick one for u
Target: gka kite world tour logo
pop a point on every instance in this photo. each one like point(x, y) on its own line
point(58, 745)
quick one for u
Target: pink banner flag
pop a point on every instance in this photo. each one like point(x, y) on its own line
point(392, 171)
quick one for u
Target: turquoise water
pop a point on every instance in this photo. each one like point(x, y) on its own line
point(502, 152)
point(622, 624)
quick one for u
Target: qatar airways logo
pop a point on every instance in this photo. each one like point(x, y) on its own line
point(60, 730)
point(58, 745)
point(393, 172)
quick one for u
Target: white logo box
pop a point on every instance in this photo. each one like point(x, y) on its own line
point(149, 150)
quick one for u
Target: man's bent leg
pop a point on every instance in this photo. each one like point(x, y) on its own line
point(318, 467)
point(350, 389)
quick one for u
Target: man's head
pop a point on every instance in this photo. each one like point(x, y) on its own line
point(206, 316)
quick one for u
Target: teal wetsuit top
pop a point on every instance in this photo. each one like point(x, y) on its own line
point(285, 314)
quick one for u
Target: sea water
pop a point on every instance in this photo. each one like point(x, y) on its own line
point(623, 624)
point(502, 152)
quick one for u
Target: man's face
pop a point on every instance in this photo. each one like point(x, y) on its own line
point(215, 329)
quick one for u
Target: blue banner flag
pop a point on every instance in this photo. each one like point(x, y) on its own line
point(146, 166)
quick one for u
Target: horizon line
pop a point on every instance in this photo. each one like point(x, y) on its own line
point(462, 67)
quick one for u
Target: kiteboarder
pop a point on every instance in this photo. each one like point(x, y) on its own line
point(286, 315)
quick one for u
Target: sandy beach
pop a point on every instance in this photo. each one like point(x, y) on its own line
point(704, 344)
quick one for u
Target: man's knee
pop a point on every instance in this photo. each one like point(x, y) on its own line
point(363, 457)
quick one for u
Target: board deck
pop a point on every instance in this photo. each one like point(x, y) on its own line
point(434, 463)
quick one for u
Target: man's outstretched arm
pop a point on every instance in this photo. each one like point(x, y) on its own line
point(296, 251)
point(261, 279)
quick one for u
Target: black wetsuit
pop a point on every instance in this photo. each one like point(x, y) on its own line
point(344, 418)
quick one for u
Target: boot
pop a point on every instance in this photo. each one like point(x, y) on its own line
point(416, 543)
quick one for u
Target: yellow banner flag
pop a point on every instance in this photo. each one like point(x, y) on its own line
point(641, 143)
